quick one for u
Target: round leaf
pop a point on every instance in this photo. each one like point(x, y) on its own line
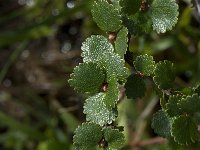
point(190, 104)
point(172, 106)
point(94, 46)
point(184, 130)
point(106, 16)
point(96, 110)
point(87, 136)
point(164, 75)
point(161, 124)
point(145, 64)
point(114, 66)
point(164, 15)
point(87, 78)
point(114, 137)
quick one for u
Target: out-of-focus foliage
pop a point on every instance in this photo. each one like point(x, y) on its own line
point(40, 44)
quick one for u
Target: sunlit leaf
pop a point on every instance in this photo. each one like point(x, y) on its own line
point(164, 15)
point(94, 46)
point(96, 110)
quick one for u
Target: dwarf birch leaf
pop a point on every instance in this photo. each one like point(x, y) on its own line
point(184, 130)
point(96, 110)
point(172, 106)
point(87, 136)
point(87, 78)
point(106, 16)
point(121, 42)
point(94, 46)
point(135, 87)
point(98, 49)
point(164, 15)
point(112, 93)
point(190, 104)
point(164, 75)
point(145, 64)
point(114, 137)
point(161, 124)
point(114, 66)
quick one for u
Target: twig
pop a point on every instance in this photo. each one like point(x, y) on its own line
point(156, 140)
point(141, 122)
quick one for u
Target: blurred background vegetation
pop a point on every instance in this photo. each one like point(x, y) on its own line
point(40, 44)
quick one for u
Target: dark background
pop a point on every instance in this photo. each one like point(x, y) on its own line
point(40, 44)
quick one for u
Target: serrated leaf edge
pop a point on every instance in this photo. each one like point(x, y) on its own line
point(110, 5)
point(144, 56)
point(73, 75)
point(165, 61)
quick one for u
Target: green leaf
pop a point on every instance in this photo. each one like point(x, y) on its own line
point(184, 130)
point(98, 49)
point(135, 87)
point(94, 46)
point(164, 15)
point(190, 104)
point(87, 78)
point(112, 93)
point(87, 136)
point(106, 16)
point(145, 64)
point(121, 42)
point(114, 66)
point(114, 137)
point(172, 106)
point(161, 124)
point(164, 74)
point(96, 110)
